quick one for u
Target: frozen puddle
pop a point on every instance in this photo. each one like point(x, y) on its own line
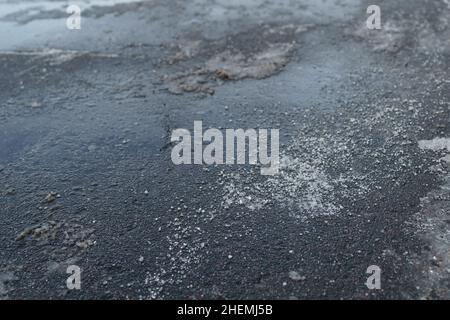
point(34, 22)
point(8, 8)
point(57, 56)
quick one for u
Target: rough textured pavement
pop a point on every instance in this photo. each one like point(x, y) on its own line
point(86, 176)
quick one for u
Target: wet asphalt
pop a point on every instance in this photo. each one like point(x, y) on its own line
point(86, 176)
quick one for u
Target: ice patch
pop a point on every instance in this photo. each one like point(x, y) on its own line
point(435, 144)
point(57, 56)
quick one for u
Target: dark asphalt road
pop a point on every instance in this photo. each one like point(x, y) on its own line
point(86, 176)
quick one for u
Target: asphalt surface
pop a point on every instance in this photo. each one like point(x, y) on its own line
point(86, 176)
